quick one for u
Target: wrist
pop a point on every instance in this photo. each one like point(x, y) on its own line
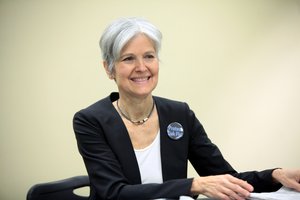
point(276, 174)
point(195, 188)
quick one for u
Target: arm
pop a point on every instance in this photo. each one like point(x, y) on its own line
point(105, 171)
point(262, 181)
point(218, 177)
point(287, 177)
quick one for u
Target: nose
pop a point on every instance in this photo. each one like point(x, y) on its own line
point(140, 65)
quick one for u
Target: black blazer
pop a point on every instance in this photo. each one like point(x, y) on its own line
point(109, 157)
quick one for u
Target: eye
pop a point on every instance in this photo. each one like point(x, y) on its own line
point(149, 57)
point(128, 59)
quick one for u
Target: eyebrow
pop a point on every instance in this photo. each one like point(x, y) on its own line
point(132, 54)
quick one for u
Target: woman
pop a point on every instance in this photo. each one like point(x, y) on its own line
point(137, 146)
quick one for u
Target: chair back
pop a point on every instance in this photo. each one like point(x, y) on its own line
point(59, 190)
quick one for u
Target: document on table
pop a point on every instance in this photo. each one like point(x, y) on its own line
point(185, 198)
point(282, 194)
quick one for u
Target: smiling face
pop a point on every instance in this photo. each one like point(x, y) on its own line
point(136, 71)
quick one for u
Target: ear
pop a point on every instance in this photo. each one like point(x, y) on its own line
point(109, 74)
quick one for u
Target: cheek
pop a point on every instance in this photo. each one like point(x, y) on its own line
point(121, 76)
point(156, 70)
point(120, 72)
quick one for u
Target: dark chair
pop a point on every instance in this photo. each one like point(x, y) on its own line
point(59, 190)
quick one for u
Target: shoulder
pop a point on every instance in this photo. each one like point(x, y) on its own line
point(95, 108)
point(174, 110)
point(101, 109)
point(169, 104)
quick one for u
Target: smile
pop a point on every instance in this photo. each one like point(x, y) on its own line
point(140, 79)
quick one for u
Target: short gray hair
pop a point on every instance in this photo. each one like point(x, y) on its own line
point(120, 32)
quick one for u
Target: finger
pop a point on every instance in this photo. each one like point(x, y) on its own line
point(225, 195)
point(293, 185)
point(241, 191)
point(237, 192)
point(239, 187)
point(243, 184)
point(231, 194)
point(296, 187)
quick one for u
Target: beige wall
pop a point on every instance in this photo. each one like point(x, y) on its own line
point(237, 64)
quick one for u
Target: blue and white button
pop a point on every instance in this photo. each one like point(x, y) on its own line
point(175, 131)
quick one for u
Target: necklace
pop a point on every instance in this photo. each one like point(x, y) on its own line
point(138, 122)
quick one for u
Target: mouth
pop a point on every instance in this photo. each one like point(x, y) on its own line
point(140, 79)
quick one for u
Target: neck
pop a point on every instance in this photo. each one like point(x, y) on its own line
point(136, 110)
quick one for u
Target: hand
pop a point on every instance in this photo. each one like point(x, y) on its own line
point(225, 187)
point(288, 178)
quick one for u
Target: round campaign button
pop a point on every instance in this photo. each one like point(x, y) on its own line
point(175, 131)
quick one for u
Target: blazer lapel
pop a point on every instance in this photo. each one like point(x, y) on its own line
point(119, 140)
point(173, 154)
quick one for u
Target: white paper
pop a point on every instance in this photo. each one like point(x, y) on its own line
point(185, 198)
point(282, 194)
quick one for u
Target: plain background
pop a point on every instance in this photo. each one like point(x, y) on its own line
point(236, 63)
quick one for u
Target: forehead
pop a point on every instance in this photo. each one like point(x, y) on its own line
point(138, 43)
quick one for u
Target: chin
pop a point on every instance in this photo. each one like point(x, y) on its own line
point(143, 94)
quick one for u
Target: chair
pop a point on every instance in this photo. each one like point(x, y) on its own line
point(59, 190)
